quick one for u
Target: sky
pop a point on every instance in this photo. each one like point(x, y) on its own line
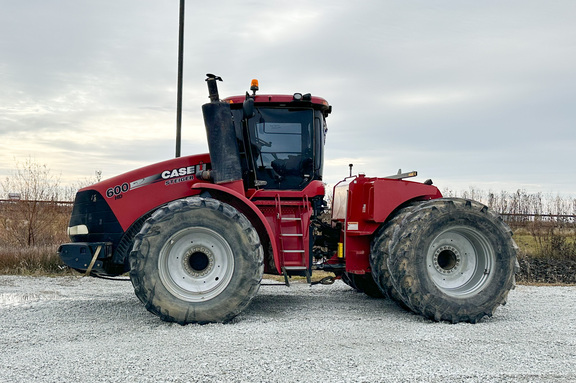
point(471, 94)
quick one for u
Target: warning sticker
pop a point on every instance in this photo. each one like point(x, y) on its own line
point(352, 225)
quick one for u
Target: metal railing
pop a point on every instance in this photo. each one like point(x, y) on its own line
point(16, 201)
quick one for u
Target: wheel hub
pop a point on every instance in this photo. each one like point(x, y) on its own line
point(198, 261)
point(447, 259)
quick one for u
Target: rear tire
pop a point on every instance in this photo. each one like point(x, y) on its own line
point(379, 254)
point(449, 259)
point(196, 260)
point(348, 280)
point(365, 283)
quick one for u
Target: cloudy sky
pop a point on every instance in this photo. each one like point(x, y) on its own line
point(475, 94)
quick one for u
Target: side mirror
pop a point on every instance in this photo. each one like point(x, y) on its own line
point(248, 108)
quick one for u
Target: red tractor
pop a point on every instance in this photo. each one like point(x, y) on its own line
point(196, 233)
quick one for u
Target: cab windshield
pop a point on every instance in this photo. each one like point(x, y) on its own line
point(282, 147)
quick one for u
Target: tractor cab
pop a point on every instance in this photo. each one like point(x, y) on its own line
point(280, 139)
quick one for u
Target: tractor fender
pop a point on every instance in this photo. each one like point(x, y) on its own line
point(250, 210)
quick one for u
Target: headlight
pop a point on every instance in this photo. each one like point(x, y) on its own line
point(77, 230)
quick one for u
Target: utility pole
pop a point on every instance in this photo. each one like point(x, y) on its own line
point(180, 70)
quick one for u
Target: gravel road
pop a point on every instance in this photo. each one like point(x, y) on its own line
point(70, 329)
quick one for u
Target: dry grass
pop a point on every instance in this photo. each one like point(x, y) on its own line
point(30, 233)
point(317, 275)
point(38, 260)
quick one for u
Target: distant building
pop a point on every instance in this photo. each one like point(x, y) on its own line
point(14, 196)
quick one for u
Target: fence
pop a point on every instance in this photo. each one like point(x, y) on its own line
point(15, 201)
point(33, 223)
point(561, 219)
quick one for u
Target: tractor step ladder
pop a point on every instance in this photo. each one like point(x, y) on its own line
point(290, 229)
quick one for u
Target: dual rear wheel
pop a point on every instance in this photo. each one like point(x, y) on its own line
point(446, 259)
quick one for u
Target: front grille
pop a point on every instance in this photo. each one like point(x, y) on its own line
point(92, 210)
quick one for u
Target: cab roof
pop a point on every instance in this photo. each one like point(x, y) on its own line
point(296, 99)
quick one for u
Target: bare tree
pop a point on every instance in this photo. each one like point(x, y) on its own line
point(30, 221)
point(69, 192)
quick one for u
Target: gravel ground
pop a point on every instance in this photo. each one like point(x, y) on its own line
point(83, 329)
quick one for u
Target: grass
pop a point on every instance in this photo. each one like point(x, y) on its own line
point(526, 243)
point(317, 275)
point(37, 260)
point(549, 244)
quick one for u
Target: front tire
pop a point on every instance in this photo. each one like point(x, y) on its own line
point(451, 259)
point(196, 260)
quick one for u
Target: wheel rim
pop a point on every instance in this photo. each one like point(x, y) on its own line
point(460, 261)
point(196, 264)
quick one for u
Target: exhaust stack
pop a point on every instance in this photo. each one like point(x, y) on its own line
point(222, 143)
